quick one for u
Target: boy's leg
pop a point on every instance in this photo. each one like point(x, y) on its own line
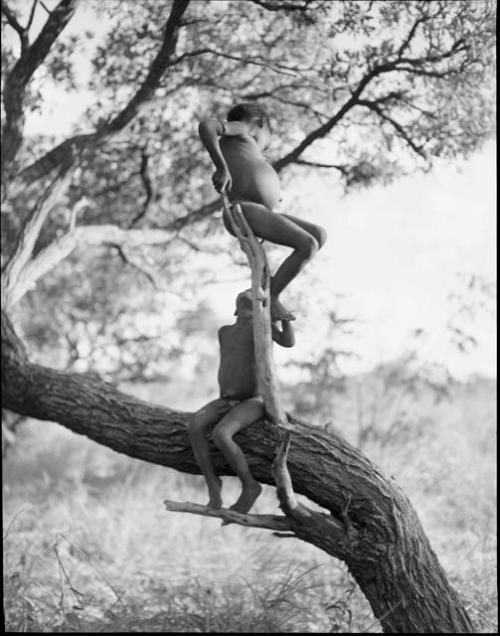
point(316, 230)
point(279, 229)
point(198, 428)
point(238, 417)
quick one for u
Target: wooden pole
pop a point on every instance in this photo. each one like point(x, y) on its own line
point(261, 304)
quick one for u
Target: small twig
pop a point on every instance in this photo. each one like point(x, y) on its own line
point(146, 180)
point(7, 532)
point(62, 569)
point(75, 210)
point(316, 164)
point(101, 574)
point(46, 9)
point(128, 261)
point(32, 15)
point(279, 523)
point(282, 477)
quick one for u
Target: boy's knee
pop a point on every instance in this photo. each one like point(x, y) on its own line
point(321, 237)
point(196, 425)
point(220, 436)
point(308, 247)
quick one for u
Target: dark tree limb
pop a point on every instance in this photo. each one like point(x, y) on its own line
point(388, 553)
point(372, 105)
point(15, 84)
point(14, 23)
point(398, 64)
point(160, 64)
point(146, 180)
point(15, 286)
point(13, 270)
point(316, 164)
point(128, 260)
point(31, 15)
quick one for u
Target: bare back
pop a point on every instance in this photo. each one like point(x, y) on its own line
point(254, 179)
point(237, 376)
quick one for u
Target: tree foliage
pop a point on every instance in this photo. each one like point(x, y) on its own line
point(365, 91)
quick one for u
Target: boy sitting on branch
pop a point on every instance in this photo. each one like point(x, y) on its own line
point(238, 406)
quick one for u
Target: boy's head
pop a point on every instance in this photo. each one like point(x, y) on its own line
point(249, 112)
point(244, 304)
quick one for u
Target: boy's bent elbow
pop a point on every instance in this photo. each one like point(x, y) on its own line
point(210, 126)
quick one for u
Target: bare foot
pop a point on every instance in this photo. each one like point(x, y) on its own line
point(279, 312)
point(246, 500)
point(214, 490)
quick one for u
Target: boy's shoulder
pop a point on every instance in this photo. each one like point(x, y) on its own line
point(225, 330)
point(234, 128)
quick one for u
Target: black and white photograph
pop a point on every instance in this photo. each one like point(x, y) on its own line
point(248, 299)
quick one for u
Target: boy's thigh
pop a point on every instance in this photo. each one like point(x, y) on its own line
point(317, 231)
point(212, 412)
point(242, 415)
point(271, 226)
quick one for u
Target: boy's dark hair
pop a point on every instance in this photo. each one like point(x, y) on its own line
point(248, 112)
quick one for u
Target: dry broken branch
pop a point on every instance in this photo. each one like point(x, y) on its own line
point(280, 523)
point(261, 282)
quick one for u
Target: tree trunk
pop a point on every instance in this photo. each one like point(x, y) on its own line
point(380, 538)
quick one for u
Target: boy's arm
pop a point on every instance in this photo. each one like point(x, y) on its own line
point(210, 130)
point(284, 336)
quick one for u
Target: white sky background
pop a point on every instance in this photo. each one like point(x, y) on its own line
point(394, 252)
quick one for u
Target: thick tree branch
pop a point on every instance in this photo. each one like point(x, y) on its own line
point(283, 6)
point(12, 272)
point(402, 64)
point(160, 64)
point(15, 84)
point(81, 236)
point(388, 553)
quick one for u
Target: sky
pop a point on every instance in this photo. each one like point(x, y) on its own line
point(394, 252)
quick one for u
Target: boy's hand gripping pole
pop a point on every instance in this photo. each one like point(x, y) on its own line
point(261, 283)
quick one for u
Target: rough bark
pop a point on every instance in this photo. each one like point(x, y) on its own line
point(370, 524)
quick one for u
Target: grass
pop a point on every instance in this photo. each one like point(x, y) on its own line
point(88, 546)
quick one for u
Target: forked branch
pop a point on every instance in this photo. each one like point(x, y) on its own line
point(279, 523)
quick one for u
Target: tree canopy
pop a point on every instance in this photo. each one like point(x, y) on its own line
point(363, 91)
point(366, 91)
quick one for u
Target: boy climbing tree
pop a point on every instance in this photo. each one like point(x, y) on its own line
point(242, 171)
point(238, 406)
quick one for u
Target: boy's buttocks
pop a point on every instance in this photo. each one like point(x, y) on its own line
point(254, 179)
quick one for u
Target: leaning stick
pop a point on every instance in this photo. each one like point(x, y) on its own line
point(261, 304)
